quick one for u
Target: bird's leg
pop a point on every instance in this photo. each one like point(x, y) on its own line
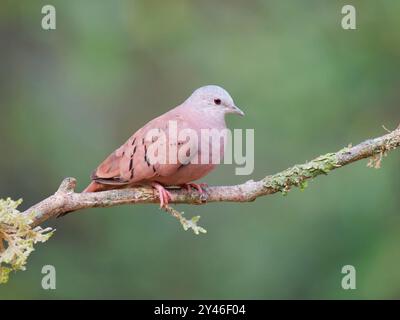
point(163, 194)
point(198, 186)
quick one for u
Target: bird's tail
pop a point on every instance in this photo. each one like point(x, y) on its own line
point(94, 187)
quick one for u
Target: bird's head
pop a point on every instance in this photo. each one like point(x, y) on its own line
point(213, 99)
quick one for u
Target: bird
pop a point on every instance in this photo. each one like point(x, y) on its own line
point(129, 165)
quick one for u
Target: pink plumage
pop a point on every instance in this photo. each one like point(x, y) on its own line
point(130, 165)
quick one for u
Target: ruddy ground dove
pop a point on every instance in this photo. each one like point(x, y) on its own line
point(130, 164)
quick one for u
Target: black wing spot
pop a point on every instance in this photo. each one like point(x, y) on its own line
point(133, 142)
point(130, 164)
point(147, 161)
point(145, 156)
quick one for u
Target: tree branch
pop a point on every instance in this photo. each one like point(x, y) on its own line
point(66, 200)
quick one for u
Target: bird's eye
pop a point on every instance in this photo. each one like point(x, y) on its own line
point(217, 101)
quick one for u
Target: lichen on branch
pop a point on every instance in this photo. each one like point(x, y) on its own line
point(17, 237)
point(298, 175)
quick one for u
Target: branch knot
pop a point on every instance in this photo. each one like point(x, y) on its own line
point(67, 186)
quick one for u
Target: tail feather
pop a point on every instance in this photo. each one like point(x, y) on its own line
point(94, 187)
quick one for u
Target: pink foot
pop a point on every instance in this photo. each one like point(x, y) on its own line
point(198, 186)
point(163, 194)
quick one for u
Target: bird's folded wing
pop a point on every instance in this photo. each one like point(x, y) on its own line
point(131, 163)
point(108, 172)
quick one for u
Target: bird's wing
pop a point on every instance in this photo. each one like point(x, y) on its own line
point(131, 162)
point(108, 172)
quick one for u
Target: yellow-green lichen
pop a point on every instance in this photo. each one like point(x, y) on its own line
point(298, 175)
point(17, 237)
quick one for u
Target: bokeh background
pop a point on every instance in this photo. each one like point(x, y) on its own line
point(70, 96)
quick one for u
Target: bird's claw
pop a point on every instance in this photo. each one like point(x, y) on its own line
point(163, 194)
point(198, 186)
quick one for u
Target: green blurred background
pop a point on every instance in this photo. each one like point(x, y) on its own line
point(70, 96)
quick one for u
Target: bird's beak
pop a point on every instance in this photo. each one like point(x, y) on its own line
point(236, 110)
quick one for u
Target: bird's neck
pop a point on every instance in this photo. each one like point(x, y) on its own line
point(208, 119)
